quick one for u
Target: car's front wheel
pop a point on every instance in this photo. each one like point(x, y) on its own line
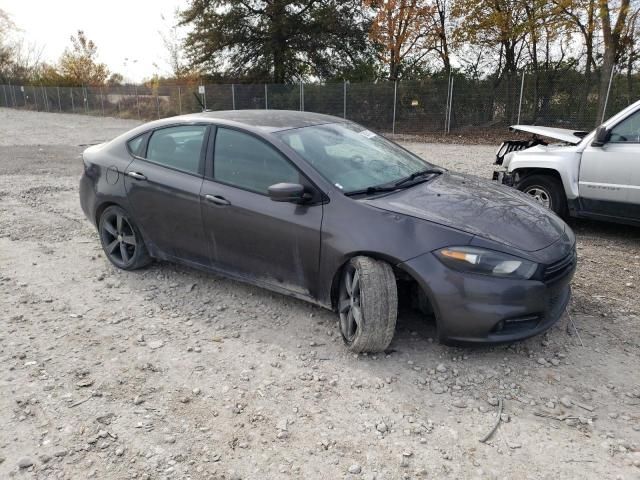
point(367, 304)
point(121, 240)
point(546, 190)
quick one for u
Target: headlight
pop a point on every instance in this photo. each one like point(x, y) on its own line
point(487, 262)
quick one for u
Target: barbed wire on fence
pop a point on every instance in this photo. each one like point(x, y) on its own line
point(440, 104)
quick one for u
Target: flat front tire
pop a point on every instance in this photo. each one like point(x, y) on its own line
point(367, 305)
point(121, 240)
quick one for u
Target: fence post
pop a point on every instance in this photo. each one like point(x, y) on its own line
point(12, 95)
point(4, 90)
point(137, 100)
point(179, 100)
point(158, 104)
point(266, 97)
point(59, 102)
point(301, 96)
point(606, 99)
point(450, 107)
point(520, 102)
point(395, 98)
point(233, 96)
point(446, 108)
point(35, 97)
point(73, 107)
point(102, 101)
point(45, 99)
point(344, 100)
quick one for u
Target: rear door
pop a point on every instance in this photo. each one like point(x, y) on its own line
point(250, 235)
point(610, 175)
point(163, 188)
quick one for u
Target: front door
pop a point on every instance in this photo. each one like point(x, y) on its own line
point(250, 235)
point(163, 189)
point(610, 175)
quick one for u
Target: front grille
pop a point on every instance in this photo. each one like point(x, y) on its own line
point(561, 267)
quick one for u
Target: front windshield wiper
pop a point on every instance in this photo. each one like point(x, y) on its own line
point(416, 175)
point(371, 190)
point(402, 183)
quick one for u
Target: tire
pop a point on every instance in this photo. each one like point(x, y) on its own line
point(367, 305)
point(121, 240)
point(547, 190)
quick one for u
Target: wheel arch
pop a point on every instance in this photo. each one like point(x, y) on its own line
point(102, 206)
point(396, 264)
point(524, 172)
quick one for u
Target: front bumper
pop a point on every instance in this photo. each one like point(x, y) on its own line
point(472, 308)
point(504, 177)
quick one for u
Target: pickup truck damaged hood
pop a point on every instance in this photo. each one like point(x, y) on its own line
point(478, 207)
point(570, 136)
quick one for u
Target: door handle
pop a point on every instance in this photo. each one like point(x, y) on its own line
point(218, 200)
point(136, 175)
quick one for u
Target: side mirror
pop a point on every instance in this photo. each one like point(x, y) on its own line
point(602, 137)
point(287, 192)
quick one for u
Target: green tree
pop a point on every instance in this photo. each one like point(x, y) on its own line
point(79, 65)
point(281, 40)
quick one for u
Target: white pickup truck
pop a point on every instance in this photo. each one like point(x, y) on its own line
point(593, 175)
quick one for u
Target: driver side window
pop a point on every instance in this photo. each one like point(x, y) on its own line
point(246, 162)
point(627, 131)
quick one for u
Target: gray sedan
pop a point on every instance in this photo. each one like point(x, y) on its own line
point(322, 209)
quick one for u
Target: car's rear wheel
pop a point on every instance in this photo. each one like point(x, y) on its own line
point(546, 190)
point(121, 240)
point(367, 304)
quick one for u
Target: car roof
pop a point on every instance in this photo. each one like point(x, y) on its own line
point(269, 120)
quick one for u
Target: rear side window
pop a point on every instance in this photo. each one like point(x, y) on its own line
point(246, 162)
point(177, 147)
point(135, 145)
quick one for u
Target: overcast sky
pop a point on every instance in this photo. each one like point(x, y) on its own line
point(120, 28)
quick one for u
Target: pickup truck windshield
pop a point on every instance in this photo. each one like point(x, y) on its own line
point(351, 157)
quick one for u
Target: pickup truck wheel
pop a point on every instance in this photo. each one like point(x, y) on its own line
point(546, 190)
point(367, 305)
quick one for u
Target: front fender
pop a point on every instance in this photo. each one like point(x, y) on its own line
point(563, 160)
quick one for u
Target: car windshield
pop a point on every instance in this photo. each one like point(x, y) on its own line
point(351, 157)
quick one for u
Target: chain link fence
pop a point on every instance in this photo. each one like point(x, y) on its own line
point(439, 104)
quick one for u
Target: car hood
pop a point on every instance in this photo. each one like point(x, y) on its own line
point(478, 207)
point(570, 136)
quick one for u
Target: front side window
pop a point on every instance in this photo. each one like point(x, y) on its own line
point(627, 131)
point(351, 157)
point(177, 147)
point(244, 161)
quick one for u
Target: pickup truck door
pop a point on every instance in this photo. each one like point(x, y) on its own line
point(609, 182)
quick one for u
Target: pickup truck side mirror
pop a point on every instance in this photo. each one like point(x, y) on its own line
point(602, 137)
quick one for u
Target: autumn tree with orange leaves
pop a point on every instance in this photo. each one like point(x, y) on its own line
point(402, 29)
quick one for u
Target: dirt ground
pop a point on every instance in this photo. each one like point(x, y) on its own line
point(171, 373)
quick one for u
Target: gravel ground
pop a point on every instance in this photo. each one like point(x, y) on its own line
point(171, 373)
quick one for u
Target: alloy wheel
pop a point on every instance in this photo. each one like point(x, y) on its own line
point(119, 239)
point(540, 195)
point(349, 305)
